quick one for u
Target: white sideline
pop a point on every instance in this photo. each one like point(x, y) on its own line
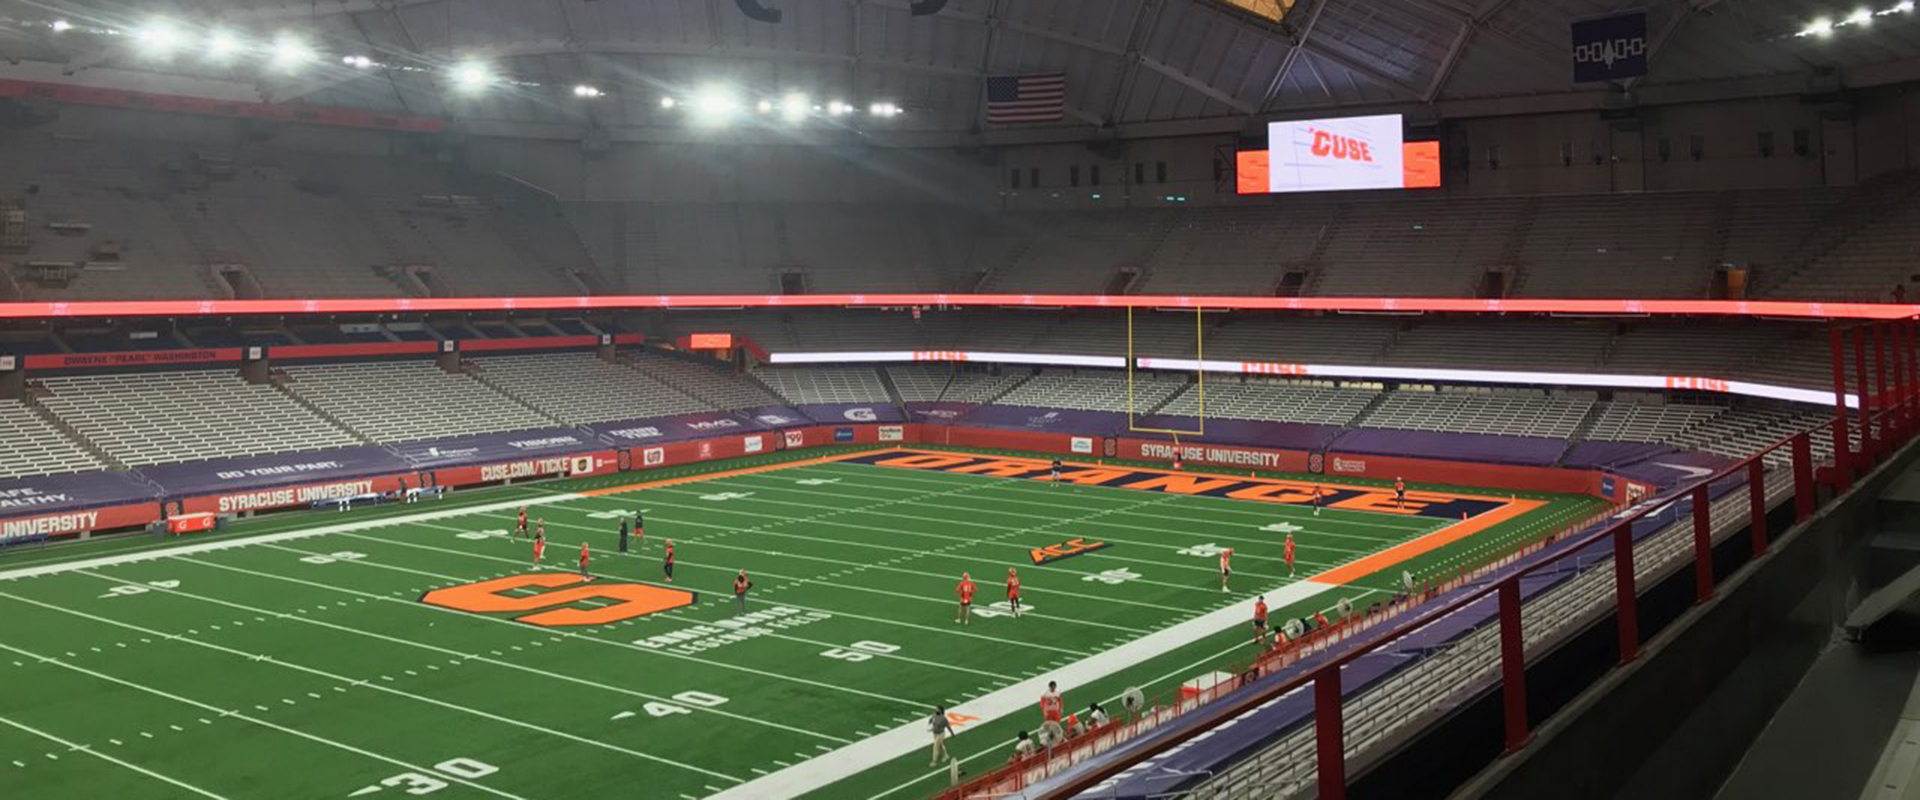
point(284, 536)
point(913, 737)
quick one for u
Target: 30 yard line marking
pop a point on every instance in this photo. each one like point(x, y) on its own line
point(110, 759)
point(243, 717)
point(384, 689)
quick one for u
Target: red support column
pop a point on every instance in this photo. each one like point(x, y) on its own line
point(1863, 413)
point(1882, 393)
point(1757, 505)
point(1702, 545)
point(1625, 600)
point(1513, 666)
point(1802, 476)
point(1330, 738)
point(1842, 450)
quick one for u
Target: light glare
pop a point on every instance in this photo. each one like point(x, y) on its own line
point(221, 45)
point(291, 51)
point(471, 76)
point(795, 106)
point(158, 38)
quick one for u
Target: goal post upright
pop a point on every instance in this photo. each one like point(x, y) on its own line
point(1200, 378)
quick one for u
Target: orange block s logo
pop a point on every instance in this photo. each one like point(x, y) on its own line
point(487, 597)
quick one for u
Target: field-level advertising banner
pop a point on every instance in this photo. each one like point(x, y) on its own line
point(33, 509)
point(256, 472)
point(1610, 48)
point(491, 447)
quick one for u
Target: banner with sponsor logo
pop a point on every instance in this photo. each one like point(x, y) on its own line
point(301, 495)
point(752, 444)
point(462, 450)
point(252, 472)
point(842, 413)
point(1081, 444)
point(939, 412)
point(595, 463)
point(1224, 455)
point(1610, 48)
point(892, 433)
point(775, 417)
point(795, 438)
point(695, 426)
point(1085, 423)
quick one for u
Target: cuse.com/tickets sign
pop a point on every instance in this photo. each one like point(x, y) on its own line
point(1319, 155)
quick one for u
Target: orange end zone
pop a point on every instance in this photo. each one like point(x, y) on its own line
point(1407, 551)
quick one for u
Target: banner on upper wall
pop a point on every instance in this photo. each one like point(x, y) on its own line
point(39, 508)
point(1610, 48)
point(842, 413)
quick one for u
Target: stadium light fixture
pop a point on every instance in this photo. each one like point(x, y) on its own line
point(61, 26)
point(715, 104)
point(1861, 16)
point(586, 91)
point(357, 62)
point(1905, 6)
point(158, 38)
point(668, 103)
point(838, 108)
point(765, 106)
point(471, 76)
point(795, 107)
point(290, 52)
point(1821, 27)
point(883, 109)
point(222, 45)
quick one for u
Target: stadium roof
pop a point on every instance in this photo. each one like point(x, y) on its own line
point(1145, 67)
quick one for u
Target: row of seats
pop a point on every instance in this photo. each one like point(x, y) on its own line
point(825, 384)
point(34, 446)
point(1095, 391)
point(397, 401)
point(1272, 401)
point(160, 417)
point(1506, 415)
point(580, 388)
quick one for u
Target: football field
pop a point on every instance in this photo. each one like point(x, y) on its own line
point(411, 650)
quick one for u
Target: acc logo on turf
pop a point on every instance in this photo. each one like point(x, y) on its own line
point(630, 599)
point(1066, 549)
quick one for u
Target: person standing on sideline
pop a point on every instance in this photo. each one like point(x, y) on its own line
point(639, 528)
point(1056, 472)
point(623, 536)
point(941, 730)
point(1013, 591)
point(1226, 567)
point(520, 529)
point(1317, 497)
point(539, 548)
point(964, 615)
point(1399, 492)
point(740, 587)
point(669, 562)
point(1260, 621)
point(1052, 707)
point(583, 562)
point(1289, 555)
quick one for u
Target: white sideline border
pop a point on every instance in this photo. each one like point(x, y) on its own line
point(850, 760)
point(284, 536)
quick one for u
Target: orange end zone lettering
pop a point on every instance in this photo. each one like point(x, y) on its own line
point(1000, 468)
point(1182, 484)
point(634, 599)
point(1066, 549)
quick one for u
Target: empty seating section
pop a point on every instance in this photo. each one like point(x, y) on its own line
point(1093, 391)
point(1743, 431)
point(1305, 340)
point(1706, 350)
point(1567, 345)
point(158, 417)
point(802, 385)
point(1862, 251)
point(397, 401)
point(34, 446)
point(1650, 245)
point(1234, 250)
point(578, 388)
point(1648, 422)
point(717, 385)
point(1514, 413)
point(1310, 402)
point(919, 382)
point(1414, 248)
point(982, 387)
point(1077, 251)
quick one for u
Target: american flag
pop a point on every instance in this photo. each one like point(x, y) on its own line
point(1026, 98)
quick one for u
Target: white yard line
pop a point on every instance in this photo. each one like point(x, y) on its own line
point(342, 679)
point(227, 712)
point(284, 536)
point(912, 737)
point(75, 746)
